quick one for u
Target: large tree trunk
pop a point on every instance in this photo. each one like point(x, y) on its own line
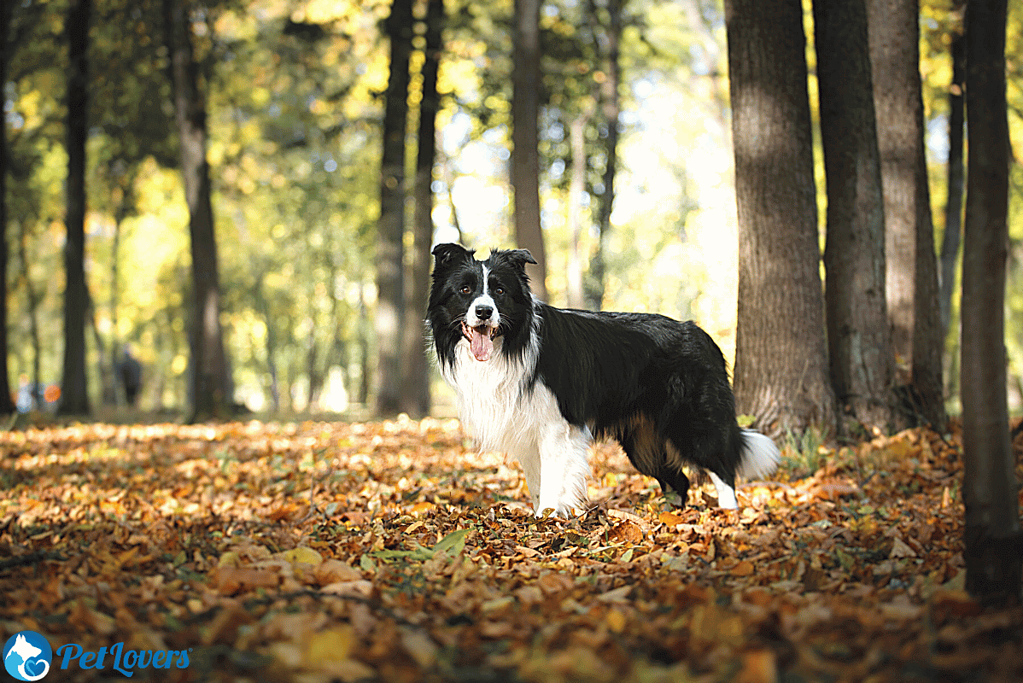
point(859, 342)
point(911, 267)
point(390, 255)
point(74, 395)
point(954, 203)
point(6, 404)
point(211, 384)
point(525, 157)
point(781, 369)
point(415, 390)
point(610, 106)
point(993, 543)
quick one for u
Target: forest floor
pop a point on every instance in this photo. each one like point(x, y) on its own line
point(395, 552)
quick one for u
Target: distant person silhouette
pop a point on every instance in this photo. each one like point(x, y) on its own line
point(129, 374)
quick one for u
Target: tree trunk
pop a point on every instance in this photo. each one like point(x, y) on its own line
point(415, 394)
point(525, 157)
point(390, 255)
point(781, 369)
point(859, 343)
point(911, 266)
point(954, 204)
point(211, 393)
point(611, 111)
point(993, 543)
point(33, 307)
point(74, 395)
point(576, 189)
point(6, 404)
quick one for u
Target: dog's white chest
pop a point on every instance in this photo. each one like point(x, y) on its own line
point(494, 403)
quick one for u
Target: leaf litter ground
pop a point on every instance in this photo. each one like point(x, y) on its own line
point(395, 551)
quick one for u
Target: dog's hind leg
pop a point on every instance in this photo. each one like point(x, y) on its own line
point(649, 454)
point(726, 492)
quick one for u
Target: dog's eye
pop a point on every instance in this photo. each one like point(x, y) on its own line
point(466, 289)
point(499, 291)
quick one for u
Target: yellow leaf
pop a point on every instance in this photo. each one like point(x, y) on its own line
point(229, 559)
point(331, 645)
point(615, 621)
point(303, 554)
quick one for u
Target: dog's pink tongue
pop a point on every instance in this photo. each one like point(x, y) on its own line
point(481, 344)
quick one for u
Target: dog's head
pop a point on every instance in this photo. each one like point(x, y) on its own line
point(478, 301)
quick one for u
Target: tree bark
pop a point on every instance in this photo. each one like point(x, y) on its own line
point(211, 384)
point(610, 105)
point(391, 226)
point(954, 204)
point(859, 343)
point(415, 387)
point(993, 544)
point(525, 156)
point(6, 404)
point(576, 188)
point(911, 266)
point(74, 395)
point(781, 369)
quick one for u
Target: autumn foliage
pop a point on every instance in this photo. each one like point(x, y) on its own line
point(395, 552)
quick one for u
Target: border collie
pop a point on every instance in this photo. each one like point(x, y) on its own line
point(540, 383)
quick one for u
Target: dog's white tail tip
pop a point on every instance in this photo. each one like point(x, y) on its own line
point(760, 455)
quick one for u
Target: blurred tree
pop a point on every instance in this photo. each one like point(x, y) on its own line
point(211, 385)
point(6, 46)
point(525, 156)
point(74, 398)
point(859, 342)
point(390, 257)
point(993, 543)
point(415, 385)
point(954, 174)
point(911, 265)
point(781, 369)
point(609, 81)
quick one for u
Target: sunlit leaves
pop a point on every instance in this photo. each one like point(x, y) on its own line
point(391, 551)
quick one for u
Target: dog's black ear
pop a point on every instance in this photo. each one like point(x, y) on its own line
point(446, 255)
point(520, 257)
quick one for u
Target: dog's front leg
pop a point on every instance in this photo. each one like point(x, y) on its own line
point(529, 457)
point(564, 464)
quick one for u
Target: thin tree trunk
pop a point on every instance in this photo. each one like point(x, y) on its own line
point(859, 342)
point(6, 404)
point(611, 112)
point(911, 266)
point(576, 191)
point(415, 396)
point(954, 204)
point(525, 157)
point(390, 256)
point(781, 369)
point(993, 544)
point(74, 398)
point(211, 393)
point(33, 307)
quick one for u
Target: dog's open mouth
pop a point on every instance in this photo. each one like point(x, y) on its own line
point(481, 340)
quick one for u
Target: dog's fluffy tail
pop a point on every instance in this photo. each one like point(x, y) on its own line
point(760, 455)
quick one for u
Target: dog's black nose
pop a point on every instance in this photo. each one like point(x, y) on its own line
point(484, 312)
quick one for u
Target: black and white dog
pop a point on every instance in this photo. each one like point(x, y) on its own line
point(539, 383)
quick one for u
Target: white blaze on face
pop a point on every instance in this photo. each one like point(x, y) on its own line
point(481, 322)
